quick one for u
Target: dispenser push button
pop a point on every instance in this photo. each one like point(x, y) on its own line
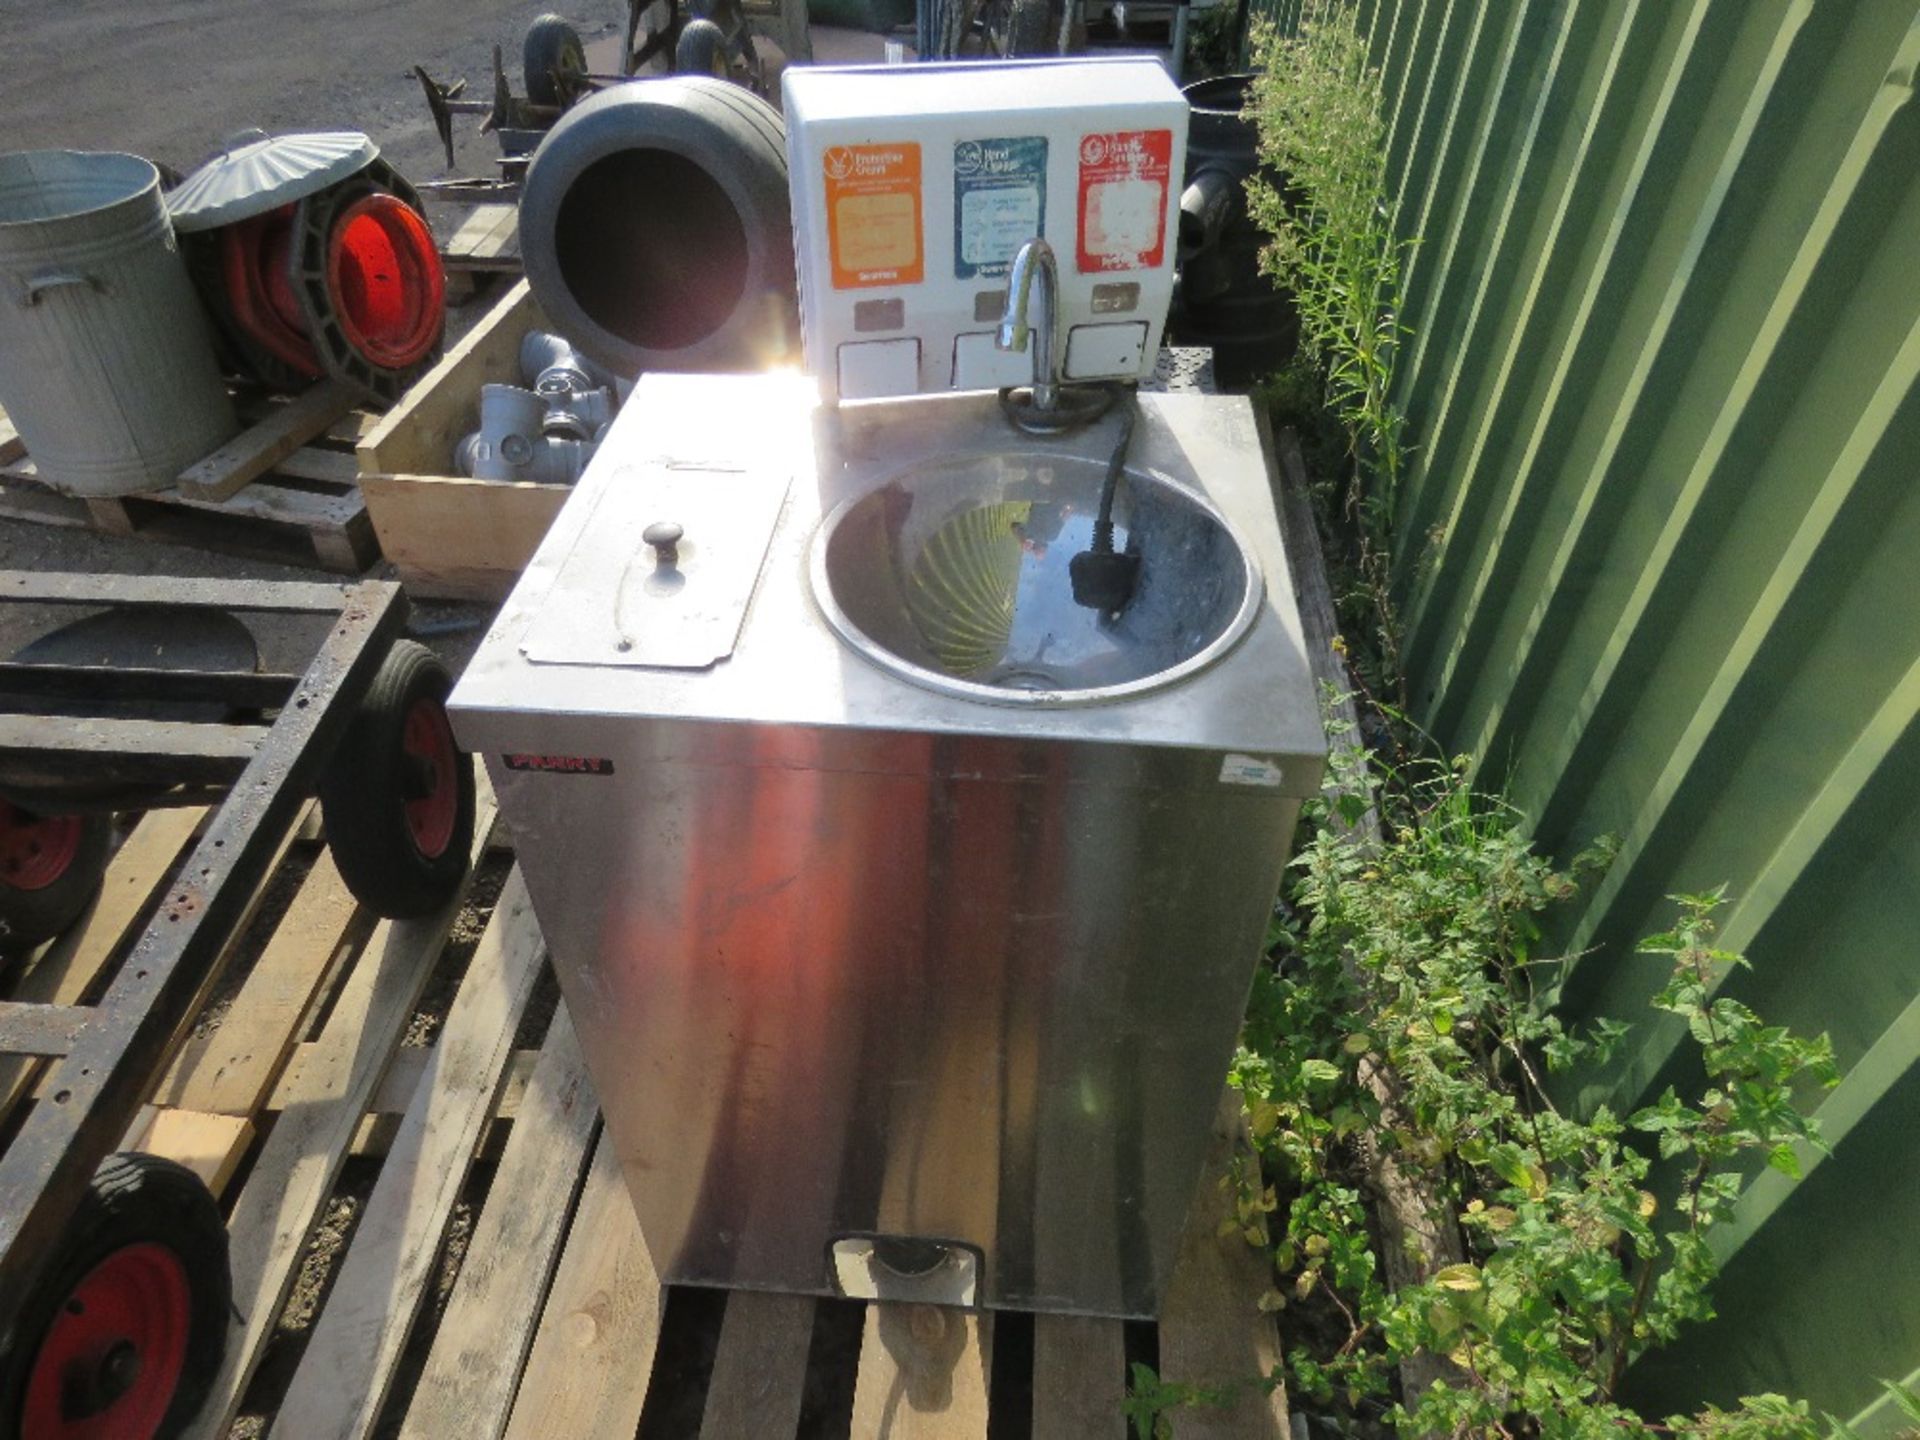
point(870, 369)
point(1096, 352)
point(980, 364)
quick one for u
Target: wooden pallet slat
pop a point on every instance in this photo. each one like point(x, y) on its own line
point(760, 1369)
point(203, 1110)
point(254, 451)
point(1079, 1377)
point(592, 1358)
point(1213, 1333)
point(923, 1373)
point(334, 469)
point(466, 1390)
point(232, 1071)
point(212, 1146)
point(306, 1080)
point(68, 968)
point(47, 1031)
point(487, 240)
point(282, 491)
point(349, 1363)
point(295, 1169)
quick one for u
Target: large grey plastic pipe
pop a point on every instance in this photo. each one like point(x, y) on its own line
point(655, 229)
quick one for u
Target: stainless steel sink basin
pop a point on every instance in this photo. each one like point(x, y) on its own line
point(954, 575)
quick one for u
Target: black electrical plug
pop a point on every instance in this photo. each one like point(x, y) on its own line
point(1101, 579)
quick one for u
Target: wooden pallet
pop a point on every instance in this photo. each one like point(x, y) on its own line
point(556, 1324)
point(487, 242)
point(284, 490)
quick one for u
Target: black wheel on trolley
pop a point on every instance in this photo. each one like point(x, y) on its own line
point(124, 1332)
point(50, 868)
point(553, 61)
point(702, 51)
point(398, 794)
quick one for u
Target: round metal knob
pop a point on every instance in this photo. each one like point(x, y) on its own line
point(664, 536)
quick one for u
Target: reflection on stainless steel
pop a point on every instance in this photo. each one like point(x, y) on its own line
point(955, 576)
point(962, 588)
point(854, 959)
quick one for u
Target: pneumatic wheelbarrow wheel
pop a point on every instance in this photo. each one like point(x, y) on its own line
point(50, 868)
point(124, 1332)
point(397, 796)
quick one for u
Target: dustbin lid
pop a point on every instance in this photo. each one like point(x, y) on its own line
point(257, 172)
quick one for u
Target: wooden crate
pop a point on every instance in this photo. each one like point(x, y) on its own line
point(449, 536)
point(285, 489)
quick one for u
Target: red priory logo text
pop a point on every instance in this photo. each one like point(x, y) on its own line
point(560, 764)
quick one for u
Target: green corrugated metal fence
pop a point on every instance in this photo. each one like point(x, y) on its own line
point(1661, 555)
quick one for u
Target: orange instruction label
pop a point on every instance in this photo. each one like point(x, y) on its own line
point(873, 214)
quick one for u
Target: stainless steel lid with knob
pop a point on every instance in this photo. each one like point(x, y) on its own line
point(663, 572)
point(256, 172)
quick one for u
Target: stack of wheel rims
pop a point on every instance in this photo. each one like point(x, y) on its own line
point(315, 259)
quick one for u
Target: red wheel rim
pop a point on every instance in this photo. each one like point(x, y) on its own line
point(256, 261)
point(35, 850)
point(110, 1362)
point(428, 741)
point(384, 279)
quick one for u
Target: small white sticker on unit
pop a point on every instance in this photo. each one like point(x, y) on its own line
point(1249, 770)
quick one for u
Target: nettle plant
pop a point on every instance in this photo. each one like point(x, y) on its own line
point(1416, 957)
point(1406, 965)
point(1316, 108)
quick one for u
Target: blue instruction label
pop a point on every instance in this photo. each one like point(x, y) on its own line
point(999, 202)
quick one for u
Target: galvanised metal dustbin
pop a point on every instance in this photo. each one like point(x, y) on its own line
point(907, 912)
point(106, 368)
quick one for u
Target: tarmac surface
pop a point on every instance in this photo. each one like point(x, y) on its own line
point(171, 79)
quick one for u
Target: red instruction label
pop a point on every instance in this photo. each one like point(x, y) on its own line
point(1123, 199)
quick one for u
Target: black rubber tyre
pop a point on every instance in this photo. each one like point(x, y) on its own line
point(656, 231)
point(551, 49)
point(138, 1291)
point(397, 796)
point(39, 897)
point(1033, 28)
point(702, 51)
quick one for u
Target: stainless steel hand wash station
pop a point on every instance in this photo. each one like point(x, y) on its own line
point(906, 904)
